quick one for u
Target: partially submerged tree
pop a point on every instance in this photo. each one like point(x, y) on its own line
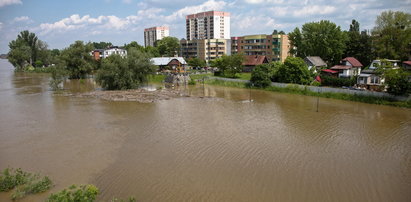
point(119, 73)
point(77, 59)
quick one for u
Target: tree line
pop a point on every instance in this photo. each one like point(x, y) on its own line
point(390, 38)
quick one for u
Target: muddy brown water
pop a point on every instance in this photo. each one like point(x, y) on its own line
point(217, 148)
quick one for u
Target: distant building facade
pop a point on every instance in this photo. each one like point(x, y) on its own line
point(104, 53)
point(205, 49)
point(151, 35)
point(208, 35)
point(275, 47)
point(208, 25)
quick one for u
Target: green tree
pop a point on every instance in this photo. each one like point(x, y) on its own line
point(19, 54)
point(294, 70)
point(118, 73)
point(392, 35)
point(263, 74)
point(196, 62)
point(229, 65)
point(168, 46)
point(396, 79)
point(30, 39)
point(102, 45)
point(324, 39)
point(77, 59)
point(359, 44)
point(133, 44)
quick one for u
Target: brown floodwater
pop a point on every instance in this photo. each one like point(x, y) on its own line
point(217, 148)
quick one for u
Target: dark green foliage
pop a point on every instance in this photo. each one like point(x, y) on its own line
point(192, 82)
point(25, 183)
point(263, 74)
point(392, 35)
point(118, 73)
point(77, 60)
point(294, 70)
point(359, 45)
point(11, 178)
point(58, 73)
point(168, 46)
point(395, 79)
point(337, 82)
point(324, 39)
point(230, 65)
point(19, 54)
point(397, 82)
point(83, 193)
point(196, 62)
point(102, 45)
point(152, 51)
point(34, 186)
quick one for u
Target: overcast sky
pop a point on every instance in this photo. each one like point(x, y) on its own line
point(60, 23)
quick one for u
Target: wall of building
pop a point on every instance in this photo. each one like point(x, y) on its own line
point(151, 35)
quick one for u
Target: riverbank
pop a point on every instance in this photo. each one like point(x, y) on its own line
point(294, 89)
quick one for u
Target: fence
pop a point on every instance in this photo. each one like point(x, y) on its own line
point(327, 89)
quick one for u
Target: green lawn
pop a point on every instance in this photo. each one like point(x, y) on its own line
point(242, 76)
point(156, 78)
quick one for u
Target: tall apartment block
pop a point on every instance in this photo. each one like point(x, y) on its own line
point(276, 47)
point(151, 35)
point(208, 35)
point(208, 25)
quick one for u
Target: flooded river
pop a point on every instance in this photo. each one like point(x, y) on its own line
point(217, 148)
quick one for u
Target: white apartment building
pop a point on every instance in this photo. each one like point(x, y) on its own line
point(151, 35)
point(208, 25)
point(114, 50)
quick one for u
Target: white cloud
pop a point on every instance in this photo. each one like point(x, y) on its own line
point(25, 19)
point(1, 25)
point(127, 1)
point(206, 6)
point(9, 2)
point(264, 1)
point(314, 10)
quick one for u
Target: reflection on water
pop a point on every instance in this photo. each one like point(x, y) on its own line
point(213, 148)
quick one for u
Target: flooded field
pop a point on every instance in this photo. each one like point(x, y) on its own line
point(214, 145)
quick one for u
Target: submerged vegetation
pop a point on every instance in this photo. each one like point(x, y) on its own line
point(23, 183)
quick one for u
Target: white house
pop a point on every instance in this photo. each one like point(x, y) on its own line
point(369, 78)
point(114, 50)
point(348, 67)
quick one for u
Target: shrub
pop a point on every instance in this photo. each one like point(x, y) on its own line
point(337, 82)
point(86, 193)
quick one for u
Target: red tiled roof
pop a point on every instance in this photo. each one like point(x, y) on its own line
point(253, 60)
point(329, 71)
point(341, 67)
point(354, 62)
point(407, 62)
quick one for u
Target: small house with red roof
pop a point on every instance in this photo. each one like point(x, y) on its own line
point(348, 67)
point(251, 61)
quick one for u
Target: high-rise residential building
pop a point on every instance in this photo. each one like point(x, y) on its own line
point(208, 25)
point(208, 35)
point(151, 35)
point(276, 47)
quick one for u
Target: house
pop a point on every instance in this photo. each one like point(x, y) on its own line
point(170, 63)
point(348, 67)
point(329, 72)
point(251, 61)
point(370, 79)
point(114, 50)
point(104, 53)
point(97, 54)
point(315, 62)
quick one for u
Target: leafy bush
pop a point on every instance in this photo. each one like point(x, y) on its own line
point(260, 76)
point(337, 82)
point(294, 70)
point(58, 74)
point(192, 82)
point(85, 193)
point(24, 182)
